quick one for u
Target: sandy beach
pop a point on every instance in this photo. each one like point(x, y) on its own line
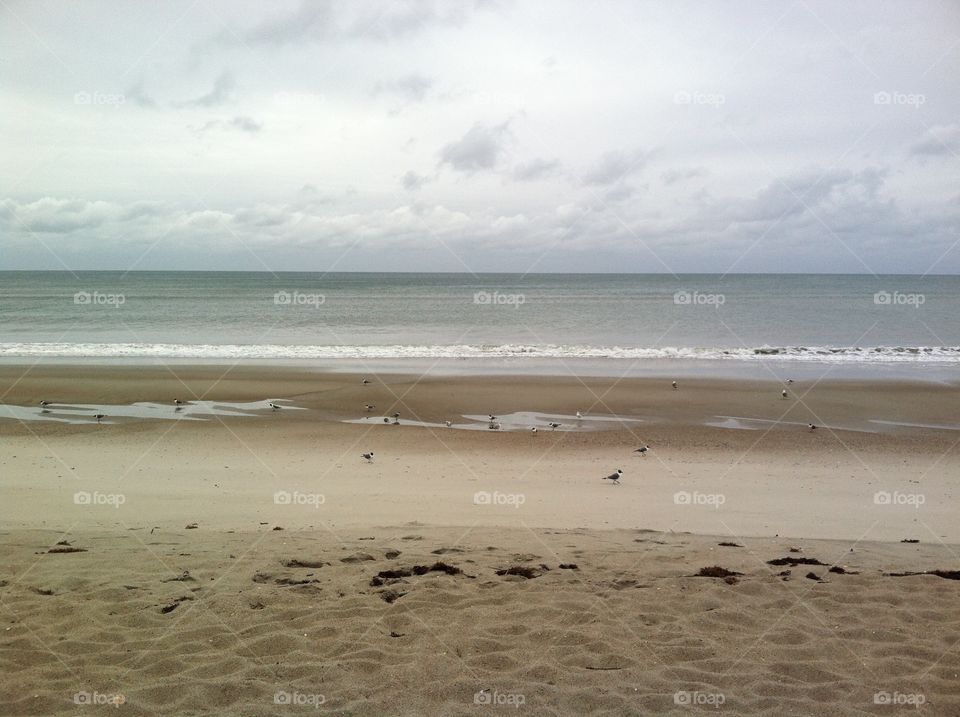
point(256, 564)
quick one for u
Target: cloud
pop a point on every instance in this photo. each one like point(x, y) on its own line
point(321, 21)
point(939, 140)
point(138, 96)
point(616, 165)
point(218, 95)
point(536, 169)
point(241, 123)
point(672, 176)
point(479, 149)
point(412, 88)
point(412, 181)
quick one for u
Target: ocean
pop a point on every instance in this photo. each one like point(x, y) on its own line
point(227, 316)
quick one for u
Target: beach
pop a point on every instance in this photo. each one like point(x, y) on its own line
point(254, 563)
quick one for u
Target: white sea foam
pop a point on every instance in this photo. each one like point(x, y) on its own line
point(869, 355)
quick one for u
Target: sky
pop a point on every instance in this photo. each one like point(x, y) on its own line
point(480, 136)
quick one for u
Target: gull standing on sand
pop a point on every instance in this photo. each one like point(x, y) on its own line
point(675, 386)
point(615, 477)
point(783, 393)
point(368, 456)
point(369, 407)
point(533, 430)
point(99, 417)
point(44, 406)
point(447, 424)
point(579, 415)
point(554, 426)
point(366, 380)
point(642, 450)
point(811, 427)
point(177, 402)
point(274, 406)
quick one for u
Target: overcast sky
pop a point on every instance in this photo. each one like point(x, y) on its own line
point(481, 136)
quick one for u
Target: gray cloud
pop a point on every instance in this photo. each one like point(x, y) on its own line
point(536, 169)
point(479, 149)
point(138, 96)
point(241, 123)
point(412, 181)
point(218, 95)
point(412, 88)
point(616, 165)
point(940, 140)
point(672, 176)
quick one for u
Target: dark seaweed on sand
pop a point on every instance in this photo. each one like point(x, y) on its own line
point(946, 574)
point(715, 571)
point(521, 570)
point(730, 545)
point(789, 560)
point(67, 550)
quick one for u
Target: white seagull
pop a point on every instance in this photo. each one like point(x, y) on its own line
point(783, 393)
point(533, 430)
point(642, 450)
point(554, 426)
point(579, 415)
point(675, 386)
point(369, 407)
point(811, 427)
point(368, 456)
point(447, 424)
point(177, 402)
point(366, 380)
point(44, 406)
point(274, 406)
point(615, 477)
point(99, 417)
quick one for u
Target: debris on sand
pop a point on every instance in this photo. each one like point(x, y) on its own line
point(391, 596)
point(392, 554)
point(521, 570)
point(793, 562)
point(67, 550)
point(191, 526)
point(569, 566)
point(909, 540)
point(715, 571)
point(175, 604)
point(842, 571)
point(295, 563)
point(437, 567)
point(184, 577)
point(946, 574)
point(357, 558)
point(730, 545)
point(813, 576)
point(444, 551)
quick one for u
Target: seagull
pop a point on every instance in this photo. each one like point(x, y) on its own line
point(386, 420)
point(369, 407)
point(615, 477)
point(811, 427)
point(675, 386)
point(177, 402)
point(642, 450)
point(396, 421)
point(274, 406)
point(396, 415)
point(579, 415)
point(783, 394)
point(99, 417)
point(491, 417)
point(789, 380)
point(447, 424)
point(554, 426)
point(368, 456)
point(44, 406)
point(494, 426)
point(366, 380)
point(533, 430)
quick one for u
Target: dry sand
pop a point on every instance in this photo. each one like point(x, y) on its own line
point(217, 619)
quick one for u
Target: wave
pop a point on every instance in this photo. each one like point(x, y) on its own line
point(878, 354)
